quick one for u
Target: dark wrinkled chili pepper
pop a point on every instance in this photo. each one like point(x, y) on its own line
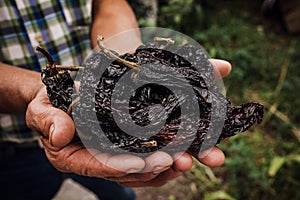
point(149, 63)
point(58, 81)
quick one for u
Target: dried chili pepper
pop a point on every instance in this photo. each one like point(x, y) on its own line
point(217, 119)
point(58, 81)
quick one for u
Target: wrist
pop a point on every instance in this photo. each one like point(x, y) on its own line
point(111, 18)
point(18, 87)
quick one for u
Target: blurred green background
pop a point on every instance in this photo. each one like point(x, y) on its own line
point(264, 162)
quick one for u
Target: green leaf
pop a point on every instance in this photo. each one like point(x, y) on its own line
point(218, 195)
point(172, 197)
point(276, 164)
point(296, 158)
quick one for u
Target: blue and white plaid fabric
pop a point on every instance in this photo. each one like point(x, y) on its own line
point(61, 26)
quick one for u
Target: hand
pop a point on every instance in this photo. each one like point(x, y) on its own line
point(56, 130)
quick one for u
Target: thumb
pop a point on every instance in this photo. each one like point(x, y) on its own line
point(61, 129)
point(54, 125)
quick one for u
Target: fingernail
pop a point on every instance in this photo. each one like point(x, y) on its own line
point(133, 170)
point(160, 169)
point(203, 154)
point(51, 130)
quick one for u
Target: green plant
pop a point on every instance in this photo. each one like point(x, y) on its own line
point(264, 162)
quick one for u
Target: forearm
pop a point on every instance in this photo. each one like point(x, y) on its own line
point(112, 17)
point(17, 88)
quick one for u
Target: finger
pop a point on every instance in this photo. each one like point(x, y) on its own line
point(182, 162)
point(222, 68)
point(124, 162)
point(158, 181)
point(155, 164)
point(213, 157)
point(115, 167)
point(133, 177)
point(158, 162)
point(77, 159)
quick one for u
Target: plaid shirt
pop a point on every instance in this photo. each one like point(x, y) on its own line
point(61, 26)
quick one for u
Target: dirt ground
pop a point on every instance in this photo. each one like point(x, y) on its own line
point(72, 190)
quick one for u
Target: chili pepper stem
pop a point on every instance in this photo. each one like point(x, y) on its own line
point(152, 143)
point(76, 101)
point(169, 41)
point(48, 56)
point(101, 45)
point(51, 64)
point(70, 68)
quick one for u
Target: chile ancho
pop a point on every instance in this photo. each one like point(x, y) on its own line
point(216, 118)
